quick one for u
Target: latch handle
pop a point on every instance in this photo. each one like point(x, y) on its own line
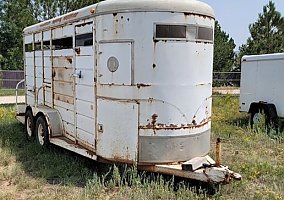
point(77, 75)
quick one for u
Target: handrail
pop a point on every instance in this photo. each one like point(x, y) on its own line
point(17, 87)
point(37, 92)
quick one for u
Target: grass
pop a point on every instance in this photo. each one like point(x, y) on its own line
point(30, 172)
point(11, 92)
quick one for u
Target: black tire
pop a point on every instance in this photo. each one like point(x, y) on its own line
point(41, 132)
point(29, 125)
point(270, 123)
point(272, 119)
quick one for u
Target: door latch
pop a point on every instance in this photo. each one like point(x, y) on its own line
point(77, 75)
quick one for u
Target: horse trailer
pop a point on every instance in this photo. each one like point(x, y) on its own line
point(128, 82)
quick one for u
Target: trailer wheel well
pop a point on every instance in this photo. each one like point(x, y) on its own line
point(28, 108)
point(268, 108)
point(38, 115)
point(270, 111)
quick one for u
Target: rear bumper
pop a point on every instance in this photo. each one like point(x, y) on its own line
point(169, 149)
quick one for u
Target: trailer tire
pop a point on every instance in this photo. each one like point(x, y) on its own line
point(270, 114)
point(42, 132)
point(29, 125)
point(272, 118)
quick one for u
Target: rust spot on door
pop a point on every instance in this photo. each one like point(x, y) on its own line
point(64, 98)
point(78, 50)
point(69, 59)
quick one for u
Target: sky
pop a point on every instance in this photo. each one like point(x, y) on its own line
point(235, 16)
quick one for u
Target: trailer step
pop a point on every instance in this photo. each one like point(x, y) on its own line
point(72, 146)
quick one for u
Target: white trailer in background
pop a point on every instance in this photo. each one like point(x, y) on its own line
point(125, 81)
point(262, 87)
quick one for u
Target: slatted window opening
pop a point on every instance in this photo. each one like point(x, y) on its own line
point(190, 32)
point(84, 39)
point(62, 43)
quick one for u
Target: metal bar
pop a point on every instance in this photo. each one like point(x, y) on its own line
point(17, 86)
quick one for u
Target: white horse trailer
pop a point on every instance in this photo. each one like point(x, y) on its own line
point(125, 81)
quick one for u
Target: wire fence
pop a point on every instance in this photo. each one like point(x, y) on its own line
point(10, 78)
point(226, 79)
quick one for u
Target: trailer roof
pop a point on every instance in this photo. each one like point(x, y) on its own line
point(117, 6)
point(274, 56)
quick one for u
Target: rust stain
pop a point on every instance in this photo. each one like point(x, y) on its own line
point(62, 74)
point(114, 160)
point(91, 150)
point(154, 119)
point(69, 59)
point(91, 153)
point(218, 152)
point(66, 99)
point(78, 50)
point(53, 73)
point(70, 16)
point(142, 85)
point(158, 126)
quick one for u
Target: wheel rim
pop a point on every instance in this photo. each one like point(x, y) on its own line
point(259, 119)
point(256, 118)
point(29, 127)
point(40, 134)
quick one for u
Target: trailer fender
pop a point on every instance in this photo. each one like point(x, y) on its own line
point(268, 108)
point(53, 119)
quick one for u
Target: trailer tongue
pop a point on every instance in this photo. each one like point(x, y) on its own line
point(206, 172)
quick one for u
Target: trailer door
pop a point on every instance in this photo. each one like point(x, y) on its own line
point(84, 83)
point(117, 115)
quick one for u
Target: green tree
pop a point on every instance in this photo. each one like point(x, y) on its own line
point(267, 33)
point(223, 50)
point(47, 9)
point(14, 16)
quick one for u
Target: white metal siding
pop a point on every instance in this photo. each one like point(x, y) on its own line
point(119, 139)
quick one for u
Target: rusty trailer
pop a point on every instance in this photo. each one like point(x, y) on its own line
point(125, 81)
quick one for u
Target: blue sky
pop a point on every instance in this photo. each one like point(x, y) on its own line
point(235, 16)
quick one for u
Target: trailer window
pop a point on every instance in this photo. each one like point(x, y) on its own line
point(37, 46)
point(46, 45)
point(62, 43)
point(191, 32)
point(205, 33)
point(29, 47)
point(84, 39)
point(171, 31)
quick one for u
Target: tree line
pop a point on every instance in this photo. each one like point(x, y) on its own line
point(15, 15)
point(266, 34)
